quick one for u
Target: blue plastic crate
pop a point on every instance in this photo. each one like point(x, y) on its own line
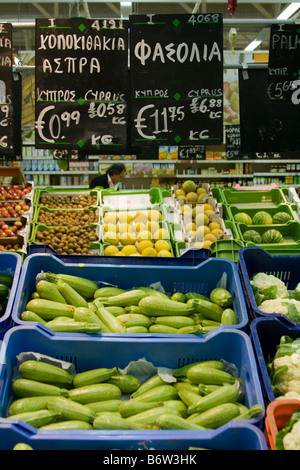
point(236, 436)
point(91, 352)
point(201, 278)
point(10, 263)
point(253, 260)
point(265, 335)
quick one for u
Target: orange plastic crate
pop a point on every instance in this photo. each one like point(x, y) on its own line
point(278, 413)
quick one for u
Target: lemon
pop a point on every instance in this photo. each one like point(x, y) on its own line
point(209, 212)
point(161, 234)
point(140, 217)
point(214, 225)
point(152, 226)
point(206, 243)
point(211, 237)
point(154, 214)
point(201, 219)
point(162, 245)
point(208, 207)
point(125, 227)
point(144, 235)
point(201, 191)
point(109, 227)
point(164, 254)
point(110, 217)
point(127, 238)
point(202, 231)
point(201, 197)
point(190, 226)
point(144, 244)
point(149, 251)
point(129, 250)
point(140, 226)
point(217, 231)
point(110, 250)
point(179, 192)
point(125, 217)
point(186, 209)
point(111, 237)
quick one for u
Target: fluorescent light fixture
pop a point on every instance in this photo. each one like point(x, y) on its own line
point(253, 45)
point(126, 4)
point(289, 11)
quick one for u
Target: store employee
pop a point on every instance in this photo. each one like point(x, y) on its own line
point(111, 179)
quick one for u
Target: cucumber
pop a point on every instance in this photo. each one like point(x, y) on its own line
point(48, 290)
point(31, 316)
point(23, 405)
point(207, 308)
point(189, 397)
point(75, 327)
point(110, 420)
point(132, 309)
point(84, 287)
point(150, 383)
point(43, 372)
point(36, 418)
point(229, 317)
point(175, 321)
point(195, 295)
point(22, 446)
point(224, 394)
point(177, 405)
point(171, 421)
point(221, 297)
point(150, 291)
point(154, 306)
point(105, 405)
point(186, 386)
point(209, 376)
point(133, 407)
point(96, 392)
point(191, 330)
point(131, 297)
point(135, 319)
point(159, 393)
point(110, 321)
point(71, 295)
point(108, 291)
point(68, 425)
point(84, 314)
point(162, 329)
point(151, 416)
point(93, 376)
point(71, 410)
point(182, 371)
point(48, 309)
point(115, 310)
point(31, 388)
point(215, 417)
point(127, 383)
point(136, 329)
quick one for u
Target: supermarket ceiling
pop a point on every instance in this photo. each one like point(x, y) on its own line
point(251, 20)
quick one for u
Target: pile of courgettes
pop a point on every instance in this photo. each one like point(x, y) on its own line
point(6, 281)
point(204, 396)
point(67, 303)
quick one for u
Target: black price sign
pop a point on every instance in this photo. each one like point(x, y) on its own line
point(187, 152)
point(6, 83)
point(81, 85)
point(176, 79)
point(233, 142)
point(284, 64)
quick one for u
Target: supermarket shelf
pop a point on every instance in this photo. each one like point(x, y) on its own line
point(212, 175)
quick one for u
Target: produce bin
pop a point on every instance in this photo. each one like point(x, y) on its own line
point(236, 436)
point(87, 353)
point(11, 264)
point(278, 414)
point(228, 249)
point(201, 278)
point(79, 211)
point(64, 192)
point(265, 335)
point(257, 198)
point(289, 231)
point(289, 209)
point(135, 199)
point(253, 260)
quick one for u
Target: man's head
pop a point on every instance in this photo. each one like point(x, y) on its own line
point(116, 172)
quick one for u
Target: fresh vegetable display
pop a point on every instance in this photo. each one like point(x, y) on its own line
point(69, 303)
point(272, 296)
point(284, 368)
point(262, 217)
point(288, 438)
point(200, 396)
point(5, 285)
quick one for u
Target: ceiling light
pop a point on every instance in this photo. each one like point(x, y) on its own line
point(289, 11)
point(253, 45)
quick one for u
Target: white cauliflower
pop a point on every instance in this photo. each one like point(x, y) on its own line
point(290, 380)
point(275, 306)
point(291, 440)
point(289, 395)
point(263, 280)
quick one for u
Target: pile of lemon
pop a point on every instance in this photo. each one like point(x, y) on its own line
point(200, 228)
point(137, 234)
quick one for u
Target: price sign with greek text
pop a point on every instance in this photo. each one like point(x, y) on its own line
point(6, 77)
point(233, 141)
point(176, 79)
point(81, 85)
point(284, 64)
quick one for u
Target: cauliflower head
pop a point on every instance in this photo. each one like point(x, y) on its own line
point(263, 280)
point(276, 306)
point(287, 380)
point(291, 440)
